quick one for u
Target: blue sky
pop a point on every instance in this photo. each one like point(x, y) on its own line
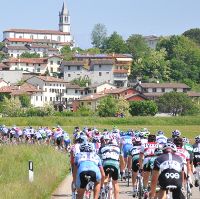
point(145, 17)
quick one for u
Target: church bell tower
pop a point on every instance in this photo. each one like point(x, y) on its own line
point(64, 19)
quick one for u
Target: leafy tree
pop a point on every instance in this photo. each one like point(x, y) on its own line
point(107, 107)
point(67, 53)
point(92, 51)
point(193, 34)
point(82, 81)
point(3, 56)
point(2, 44)
point(30, 55)
point(143, 108)
point(175, 103)
point(115, 44)
point(137, 46)
point(123, 106)
point(25, 100)
point(153, 65)
point(98, 36)
point(84, 111)
point(11, 107)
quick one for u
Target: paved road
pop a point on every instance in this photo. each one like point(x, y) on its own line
point(64, 190)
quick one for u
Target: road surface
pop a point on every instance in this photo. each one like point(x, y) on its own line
point(64, 190)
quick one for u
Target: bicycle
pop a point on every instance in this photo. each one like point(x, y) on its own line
point(107, 191)
point(89, 187)
point(170, 189)
point(197, 173)
point(139, 186)
point(188, 188)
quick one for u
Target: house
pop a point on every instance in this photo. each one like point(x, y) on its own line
point(35, 93)
point(35, 65)
point(155, 90)
point(97, 70)
point(151, 41)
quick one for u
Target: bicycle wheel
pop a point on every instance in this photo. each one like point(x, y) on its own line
point(140, 189)
point(128, 178)
point(188, 190)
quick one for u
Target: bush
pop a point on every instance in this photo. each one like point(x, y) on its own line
point(84, 111)
point(143, 108)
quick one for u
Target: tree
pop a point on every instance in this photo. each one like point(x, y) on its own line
point(137, 46)
point(67, 53)
point(115, 44)
point(175, 103)
point(98, 36)
point(143, 108)
point(107, 107)
point(82, 81)
point(193, 34)
point(2, 44)
point(25, 100)
point(92, 51)
point(30, 55)
point(123, 106)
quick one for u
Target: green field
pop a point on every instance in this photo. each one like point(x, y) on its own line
point(50, 168)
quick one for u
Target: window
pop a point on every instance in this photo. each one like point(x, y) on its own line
point(15, 63)
point(76, 91)
point(107, 73)
point(81, 92)
point(58, 39)
point(89, 103)
point(45, 98)
point(11, 55)
point(45, 37)
point(38, 70)
point(31, 37)
point(99, 65)
point(51, 62)
point(78, 68)
point(45, 89)
point(154, 90)
point(50, 98)
point(51, 69)
point(38, 64)
point(58, 62)
point(100, 73)
point(68, 67)
point(36, 98)
point(163, 90)
point(82, 103)
point(26, 69)
point(65, 90)
point(52, 90)
point(26, 64)
point(41, 98)
point(69, 75)
point(95, 90)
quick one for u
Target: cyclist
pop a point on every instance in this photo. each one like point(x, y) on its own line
point(167, 171)
point(147, 152)
point(88, 163)
point(183, 153)
point(125, 146)
point(110, 154)
point(196, 160)
point(134, 154)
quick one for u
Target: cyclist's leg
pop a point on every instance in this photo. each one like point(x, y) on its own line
point(162, 194)
point(116, 189)
point(178, 194)
point(135, 168)
point(80, 193)
point(97, 190)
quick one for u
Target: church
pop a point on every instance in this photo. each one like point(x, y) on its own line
point(63, 35)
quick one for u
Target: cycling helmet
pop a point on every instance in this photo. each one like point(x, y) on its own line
point(136, 133)
point(169, 145)
point(122, 133)
point(170, 140)
point(185, 140)
point(136, 141)
point(151, 138)
point(146, 134)
point(178, 142)
point(160, 133)
point(158, 151)
point(176, 133)
point(197, 139)
point(129, 133)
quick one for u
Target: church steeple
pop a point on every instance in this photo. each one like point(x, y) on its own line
point(64, 19)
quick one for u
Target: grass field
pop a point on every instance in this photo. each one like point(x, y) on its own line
point(50, 168)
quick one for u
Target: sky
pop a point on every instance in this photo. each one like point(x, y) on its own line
point(126, 17)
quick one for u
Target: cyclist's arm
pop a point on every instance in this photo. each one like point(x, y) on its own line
point(141, 157)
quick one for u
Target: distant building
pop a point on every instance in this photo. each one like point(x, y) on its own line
point(39, 41)
point(151, 41)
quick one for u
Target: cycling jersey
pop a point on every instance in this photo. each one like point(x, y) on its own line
point(183, 153)
point(189, 148)
point(134, 153)
point(74, 151)
point(126, 142)
point(87, 162)
point(196, 150)
point(170, 167)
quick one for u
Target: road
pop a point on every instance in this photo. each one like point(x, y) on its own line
point(64, 190)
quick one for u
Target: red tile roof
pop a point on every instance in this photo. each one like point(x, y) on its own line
point(193, 94)
point(163, 85)
point(25, 88)
point(120, 71)
point(73, 63)
point(102, 61)
point(16, 48)
point(27, 60)
point(117, 90)
point(51, 79)
point(18, 40)
point(31, 31)
point(92, 97)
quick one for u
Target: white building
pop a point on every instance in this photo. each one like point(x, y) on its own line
point(35, 65)
point(61, 35)
point(151, 41)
